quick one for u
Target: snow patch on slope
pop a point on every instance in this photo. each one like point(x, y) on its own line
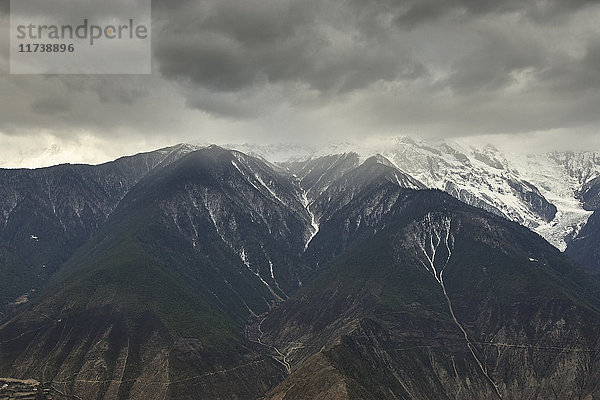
point(313, 222)
point(560, 186)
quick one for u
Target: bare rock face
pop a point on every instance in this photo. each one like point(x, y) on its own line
point(590, 194)
point(584, 247)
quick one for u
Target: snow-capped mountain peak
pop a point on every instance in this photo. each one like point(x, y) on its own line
point(540, 191)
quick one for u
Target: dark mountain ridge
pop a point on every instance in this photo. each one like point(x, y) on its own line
point(220, 275)
point(50, 212)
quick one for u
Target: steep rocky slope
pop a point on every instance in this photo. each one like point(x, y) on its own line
point(221, 275)
point(46, 214)
point(443, 302)
point(584, 248)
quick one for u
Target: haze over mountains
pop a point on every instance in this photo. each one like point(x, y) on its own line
point(286, 272)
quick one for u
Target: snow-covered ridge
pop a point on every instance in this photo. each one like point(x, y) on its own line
point(539, 191)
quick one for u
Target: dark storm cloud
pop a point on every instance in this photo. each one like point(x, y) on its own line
point(340, 46)
point(569, 76)
point(68, 11)
point(411, 13)
point(493, 60)
point(275, 70)
point(235, 44)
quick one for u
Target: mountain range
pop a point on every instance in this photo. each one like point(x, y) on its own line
point(413, 270)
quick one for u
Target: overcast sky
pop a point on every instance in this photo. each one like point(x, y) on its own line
point(525, 73)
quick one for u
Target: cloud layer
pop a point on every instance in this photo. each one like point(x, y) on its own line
point(279, 70)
